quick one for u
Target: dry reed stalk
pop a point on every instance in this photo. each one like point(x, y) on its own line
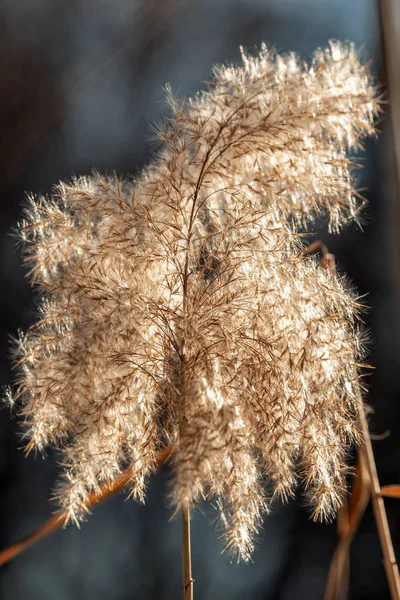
point(390, 17)
point(51, 525)
point(366, 485)
point(350, 517)
point(188, 580)
point(389, 557)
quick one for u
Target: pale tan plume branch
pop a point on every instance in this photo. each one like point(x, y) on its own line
point(58, 521)
point(350, 515)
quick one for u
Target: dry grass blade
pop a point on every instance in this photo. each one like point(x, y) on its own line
point(348, 521)
point(58, 521)
point(390, 491)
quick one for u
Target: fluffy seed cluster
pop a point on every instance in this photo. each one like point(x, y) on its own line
point(179, 309)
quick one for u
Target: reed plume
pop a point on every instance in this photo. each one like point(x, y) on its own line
point(179, 309)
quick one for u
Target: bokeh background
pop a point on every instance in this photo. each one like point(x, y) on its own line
point(80, 80)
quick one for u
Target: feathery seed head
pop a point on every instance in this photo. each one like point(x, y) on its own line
point(179, 308)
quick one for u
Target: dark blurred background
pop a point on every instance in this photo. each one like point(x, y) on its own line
point(80, 81)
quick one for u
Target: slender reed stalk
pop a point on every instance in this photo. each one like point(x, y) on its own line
point(51, 525)
point(390, 18)
point(349, 519)
point(186, 555)
point(389, 558)
point(336, 588)
point(390, 15)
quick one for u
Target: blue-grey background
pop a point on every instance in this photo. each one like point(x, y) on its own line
point(79, 82)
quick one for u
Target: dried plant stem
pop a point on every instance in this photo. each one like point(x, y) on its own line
point(363, 488)
point(390, 14)
point(348, 521)
point(328, 259)
point(187, 580)
point(389, 557)
point(23, 544)
point(186, 555)
point(56, 522)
